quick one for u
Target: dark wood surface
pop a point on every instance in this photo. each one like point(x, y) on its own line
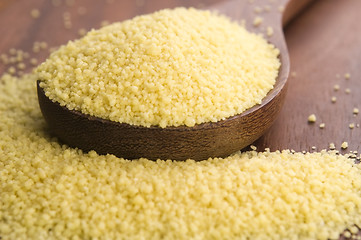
point(324, 43)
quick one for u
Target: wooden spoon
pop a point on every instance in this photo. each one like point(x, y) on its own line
point(200, 142)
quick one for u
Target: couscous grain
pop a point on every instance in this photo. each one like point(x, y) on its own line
point(51, 191)
point(312, 118)
point(257, 21)
point(269, 31)
point(35, 13)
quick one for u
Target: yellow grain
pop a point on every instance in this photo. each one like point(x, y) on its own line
point(312, 118)
point(51, 191)
point(344, 145)
point(269, 31)
point(257, 21)
point(35, 13)
point(170, 68)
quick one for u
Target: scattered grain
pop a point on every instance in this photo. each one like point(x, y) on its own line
point(351, 125)
point(4, 59)
point(354, 229)
point(104, 23)
point(312, 118)
point(82, 31)
point(332, 146)
point(347, 90)
point(336, 87)
point(258, 10)
point(322, 125)
point(355, 111)
point(33, 61)
point(53, 49)
point(12, 70)
point(347, 234)
point(35, 13)
point(269, 31)
point(344, 145)
point(68, 24)
point(347, 76)
point(12, 60)
point(257, 21)
point(43, 45)
point(36, 49)
point(12, 51)
point(21, 66)
point(333, 99)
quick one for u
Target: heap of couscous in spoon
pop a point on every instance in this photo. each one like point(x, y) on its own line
point(169, 68)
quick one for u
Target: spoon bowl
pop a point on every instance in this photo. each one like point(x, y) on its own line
point(218, 139)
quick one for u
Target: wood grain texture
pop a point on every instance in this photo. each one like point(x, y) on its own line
point(324, 44)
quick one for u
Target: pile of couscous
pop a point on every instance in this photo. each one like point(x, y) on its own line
point(169, 68)
point(51, 191)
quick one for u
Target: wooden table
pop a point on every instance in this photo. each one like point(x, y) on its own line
point(324, 43)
